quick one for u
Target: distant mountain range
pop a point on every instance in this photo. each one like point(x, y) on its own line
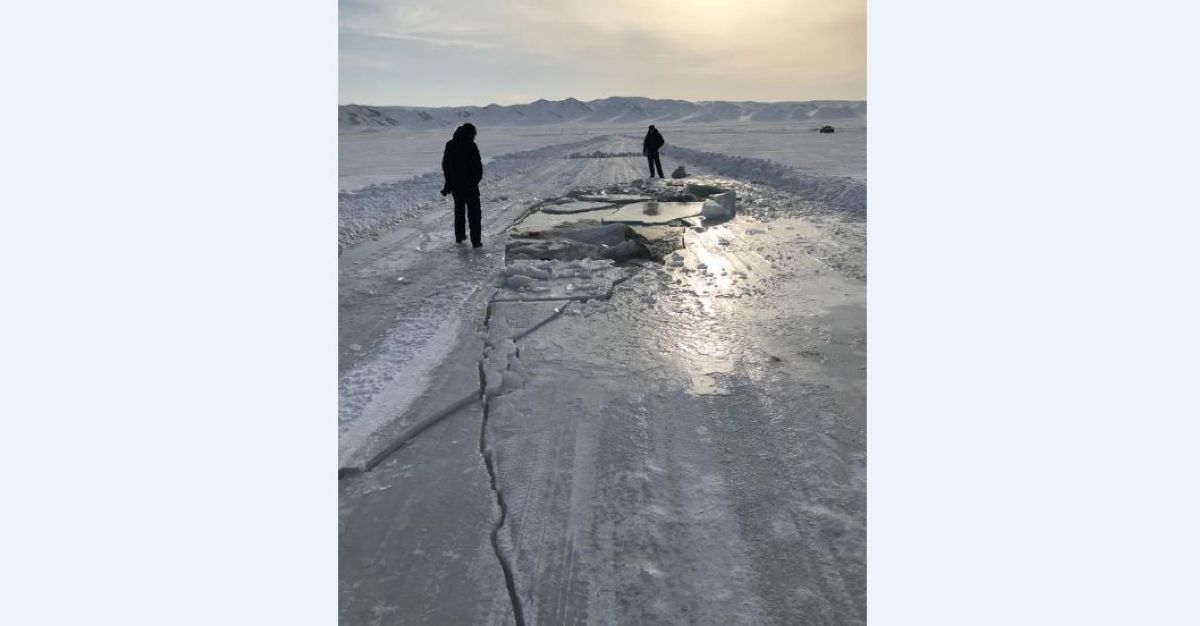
point(620, 110)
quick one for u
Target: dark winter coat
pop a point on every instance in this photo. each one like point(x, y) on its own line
point(653, 141)
point(461, 163)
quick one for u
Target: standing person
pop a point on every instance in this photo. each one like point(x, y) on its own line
point(463, 170)
point(650, 145)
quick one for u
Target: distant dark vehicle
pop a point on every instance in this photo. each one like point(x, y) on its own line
point(827, 129)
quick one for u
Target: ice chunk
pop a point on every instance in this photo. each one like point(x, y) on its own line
point(607, 235)
point(521, 269)
point(520, 281)
point(618, 242)
point(714, 211)
point(728, 200)
point(720, 206)
point(563, 249)
point(627, 250)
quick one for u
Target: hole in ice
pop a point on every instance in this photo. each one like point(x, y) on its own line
point(653, 212)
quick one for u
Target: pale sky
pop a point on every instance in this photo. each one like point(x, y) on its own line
point(476, 52)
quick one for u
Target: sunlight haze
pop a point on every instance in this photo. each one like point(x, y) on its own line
point(468, 52)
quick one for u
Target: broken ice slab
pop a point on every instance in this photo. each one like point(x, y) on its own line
point(558, 280)
point(607, 235)
point(619, 198)
point(653, 212)
point(550, 249)
point(577, 207)
point(536, 223)
point(704, 190)
point(618, 242)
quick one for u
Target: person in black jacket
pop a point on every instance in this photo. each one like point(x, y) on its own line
point(650, 145)
point(463, 170)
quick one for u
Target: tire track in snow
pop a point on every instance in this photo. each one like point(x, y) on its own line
point(402, 296)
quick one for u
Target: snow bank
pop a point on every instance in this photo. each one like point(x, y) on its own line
point(841, 193)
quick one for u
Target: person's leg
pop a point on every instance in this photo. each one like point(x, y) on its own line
point(650, 160)
point(475, 214)
point(658, 164)
point(460, 221)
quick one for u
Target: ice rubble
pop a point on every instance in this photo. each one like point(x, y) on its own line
point(606, 235)
point(555, 256)
point(841, 193)
point(659, 211)
point(615, 242)
point(550, 250)
point(581, 279)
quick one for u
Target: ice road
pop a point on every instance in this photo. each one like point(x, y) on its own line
point(668, 428)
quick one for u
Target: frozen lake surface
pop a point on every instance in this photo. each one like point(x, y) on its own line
point(387, 156)
point(551, 441)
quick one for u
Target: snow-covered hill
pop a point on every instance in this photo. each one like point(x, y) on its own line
point(352, 117)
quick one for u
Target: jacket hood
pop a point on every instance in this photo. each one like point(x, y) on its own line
point(465, 132)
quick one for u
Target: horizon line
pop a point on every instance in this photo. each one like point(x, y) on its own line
point(460, 106)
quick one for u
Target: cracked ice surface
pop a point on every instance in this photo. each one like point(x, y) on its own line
point(402, 296)
point(694, 446)
point(559, 280)
point(690, 446)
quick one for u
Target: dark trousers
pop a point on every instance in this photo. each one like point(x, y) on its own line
point(652, 157)
point(466, 206)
